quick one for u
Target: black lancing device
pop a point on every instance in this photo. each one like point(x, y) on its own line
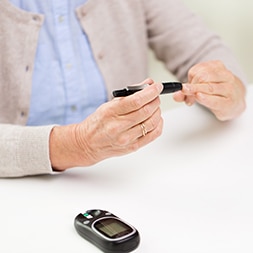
point(168, 87)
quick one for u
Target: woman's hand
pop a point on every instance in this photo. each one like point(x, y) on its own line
point(215, 87)
point(118, 127)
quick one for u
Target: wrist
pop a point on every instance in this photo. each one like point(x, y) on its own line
point(63, 149)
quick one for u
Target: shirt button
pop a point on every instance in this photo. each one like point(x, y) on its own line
point(69, 66)
point(73, 108)
point(60, 19)
point(36, 18)
point(100, 56)
point(23, 114)
point(27, 68)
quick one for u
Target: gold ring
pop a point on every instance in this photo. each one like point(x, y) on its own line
point(143, 129)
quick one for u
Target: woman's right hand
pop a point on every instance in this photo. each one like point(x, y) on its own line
point(118, 127)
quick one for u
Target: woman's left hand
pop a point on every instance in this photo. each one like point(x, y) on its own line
point(212, 85)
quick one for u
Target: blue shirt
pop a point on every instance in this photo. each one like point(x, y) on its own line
point(67, 84)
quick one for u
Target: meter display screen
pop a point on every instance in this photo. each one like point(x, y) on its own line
point(112, 228)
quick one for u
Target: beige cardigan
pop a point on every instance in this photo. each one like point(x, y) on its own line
point(120, 32)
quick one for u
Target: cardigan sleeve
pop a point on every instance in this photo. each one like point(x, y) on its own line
point(181, 39)
point(24, 150)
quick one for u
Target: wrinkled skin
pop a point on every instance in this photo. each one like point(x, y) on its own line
point(113, 130)
point(215, 87)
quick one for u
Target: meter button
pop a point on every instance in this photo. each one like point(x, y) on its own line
point(86, 222)
point(107, 214)
point(88, 216)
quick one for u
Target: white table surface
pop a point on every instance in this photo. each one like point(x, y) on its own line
point(189, 191)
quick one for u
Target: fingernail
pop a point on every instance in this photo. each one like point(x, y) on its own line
point(160, 87)
point(187, 87)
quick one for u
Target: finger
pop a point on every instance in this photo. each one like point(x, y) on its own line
point(212, 102)
point(143, 127)
point(211, 71)
point(133, 118)
point(152, 135)
point(218, 89)
point(149, 124)
point(139, 130)
point(143, 140)
point(148, 81)
point(190, 100)
point(179, 96)
point(124, 126)
point(138, 100)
